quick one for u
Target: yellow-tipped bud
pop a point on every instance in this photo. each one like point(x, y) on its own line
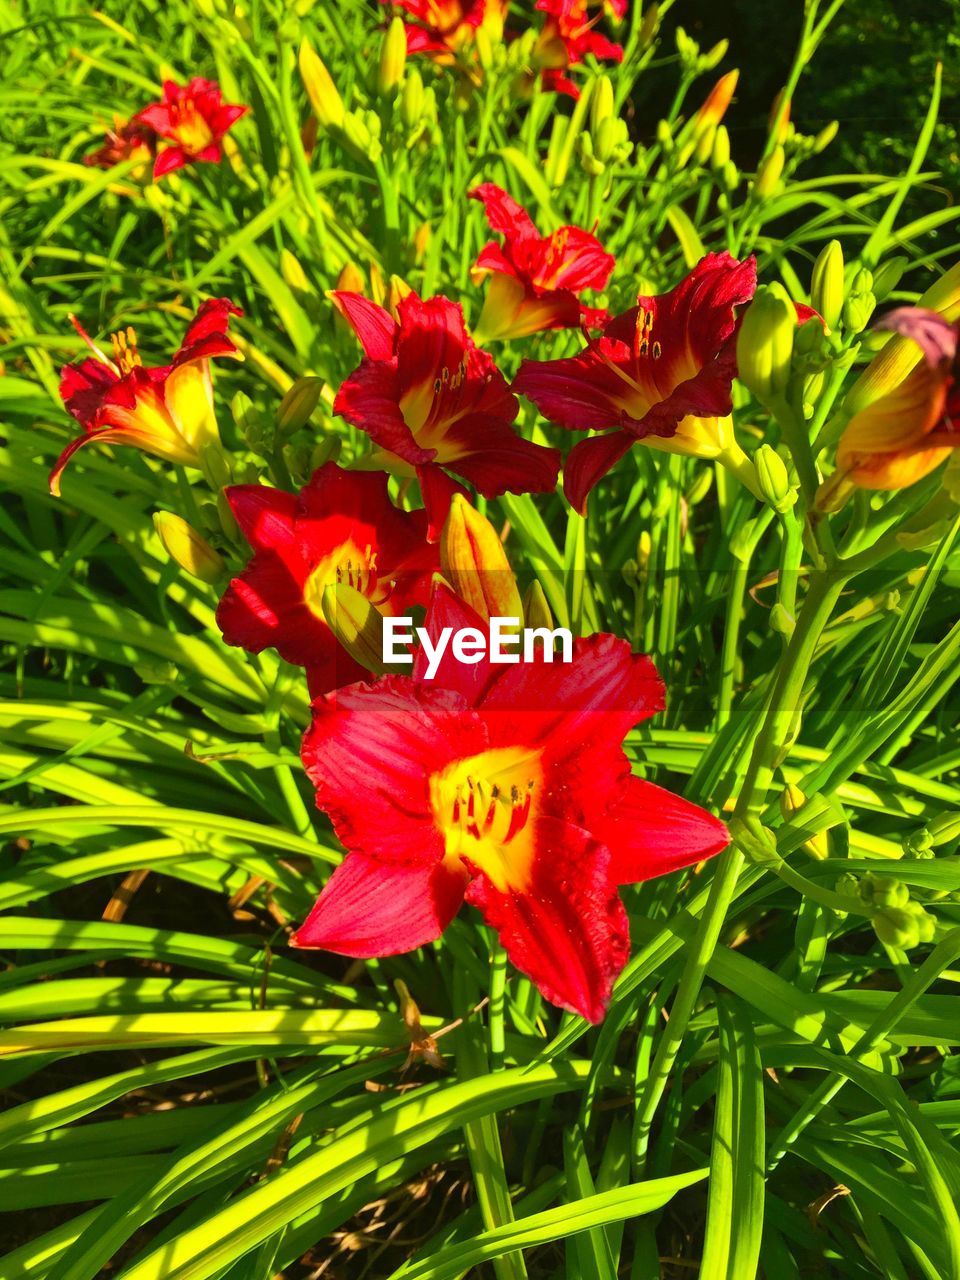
point(826, 284)
point(716, 103)
point(322, 92)
point(188, 548)
point(601, 103)
point(720, 154)
point(378, 287)
point(765, 343)
point(350, 279)
point(536, 610)
point(356, 623)
point(792, 801)
point(298, 404)
point(777, 124)
point(393, 58)
point(421, 241)
point(769, 174)
point(397, 290)
point(292, 272)
point(474, 562)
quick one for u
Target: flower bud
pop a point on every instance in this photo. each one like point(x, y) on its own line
point(397, 290)
point(665, 135)
point(765, 343)
point(601, 102)
point(792, 800)
point(897, 927)
point(721, 148)
point(857, 310)
point(782, 124)
point(649, 25)
point(378, 286)
point(188, 548)
point(356, 623)
point(887, 277)
point(393, 58)
point(474, 562)
point(714, 55)
point(826, 284)
point(730, 176)
point(298, 404)
point(700, 487)
point(743, 540)
point(826, 136)
point(411, 100)
point(215, 466)
point(716, 103)
point(774, 479)
point(293, 273)
point(536, 610)
point(944, 829)
point(768, 176)
point(322, 92)
point(350, 279)
point(704, 148)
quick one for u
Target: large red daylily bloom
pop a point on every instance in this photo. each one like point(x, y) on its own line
point(435, 403)
point(194, 118)
point(127, 140)
point(340, 527)
point(568, 36)
point(907, 433)
point(166, 411)
point(446, 30)
point(535, 279)
point(507, 788)
point(669, 358)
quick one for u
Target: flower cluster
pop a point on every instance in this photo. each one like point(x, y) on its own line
point(192, 119)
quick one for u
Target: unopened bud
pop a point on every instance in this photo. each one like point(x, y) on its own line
point(474, 562)
point(322, 92)
point(700, 487)
point(393, 58)
point(298, 405)
point(792, 800)
point(704, 148)
point(769, 174)
point(714, 55)
point(782, 621)
point(765, 343)
point(397, 290)
point(826, 284)
point(649, 25)
point(536, 610)
point(601, 102)
point(826, 136)
point(292, 272)
point(774, 479)
point(350, 279)
point(411, 100)
point(857, 311)
point(215, 466)
point(721, 147)
point(716, 103)
point(188, 548)
point(665, 135)
point(887, 277)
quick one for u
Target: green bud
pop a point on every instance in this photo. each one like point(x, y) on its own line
point(605, 139)
point(757, 842)
point(792, 801)
point(862, 281)
point(700, 488)
point(411, 101)
point(298, 404)
point(188, 548)
point(328, 450)
point(765, 343)
point(768, 176)
point(721, 148)
point(631, 573)
point(848, 886)
point(601, 102)
point(826, 136)
point(897, 927)
point(241, 406)
point(704, 146)
point(228, 521)
point(774, 479)
point(356, 623)
point(887, 277)
point(293, 273)
point(944, 829)
point(215, 466)
point(857, 311)
point(649, 25)
point(393, 58)
point(826, 285)
point(730, 176)
point(743, 540)
point(665, 136)
point(714, 56)
point(536, 610)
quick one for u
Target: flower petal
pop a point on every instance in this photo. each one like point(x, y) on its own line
point(569, 934)
point(504, 215)
point(373, 908)
point(369, 400)
point(650, 832)
point(375, 327)
point(588, 462)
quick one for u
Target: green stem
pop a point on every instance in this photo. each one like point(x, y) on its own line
point(495, 1021)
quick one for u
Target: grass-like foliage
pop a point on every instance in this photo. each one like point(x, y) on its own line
point(773, 1090)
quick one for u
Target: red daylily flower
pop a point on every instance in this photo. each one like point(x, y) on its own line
point(194, 118)
point(435, 403)
point(907, 433)
point(505, 787)
point(568, 36)
point(535, 279)
point(166, 411)
point(340, 527)
point(127, 140)
point(445, 30)
point(671, 357)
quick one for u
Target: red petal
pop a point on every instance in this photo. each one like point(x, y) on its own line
point(370, 751)
point(265, 515)
point(206, 334)
point(437, 490)
point(505, 216)
point(372, 908)
point(84, 386)
point(651, 831)
point(446, 609)
point(569, 931)
point(167, 160)
point(370, 400)
point(496, 460)
point(588, 462)
point(581, 393)
point(374, 326)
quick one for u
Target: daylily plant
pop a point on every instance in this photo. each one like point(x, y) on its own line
point(127, 140)
point(534, 280)
point(568, 36)
point(166, 411)
point(435, 403)
point(446, 29)
point(194, 118)
point(506, 788)
point(669, 359)
point(340, 528)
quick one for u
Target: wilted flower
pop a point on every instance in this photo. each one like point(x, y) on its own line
point(669, 359)
point(506, 787)
point(568, 36)
point(167, 411)
point(340, 528)
point(906, 433)
point(127, 140)
point(535, 279)
point(194, 118)
point(435, 403)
